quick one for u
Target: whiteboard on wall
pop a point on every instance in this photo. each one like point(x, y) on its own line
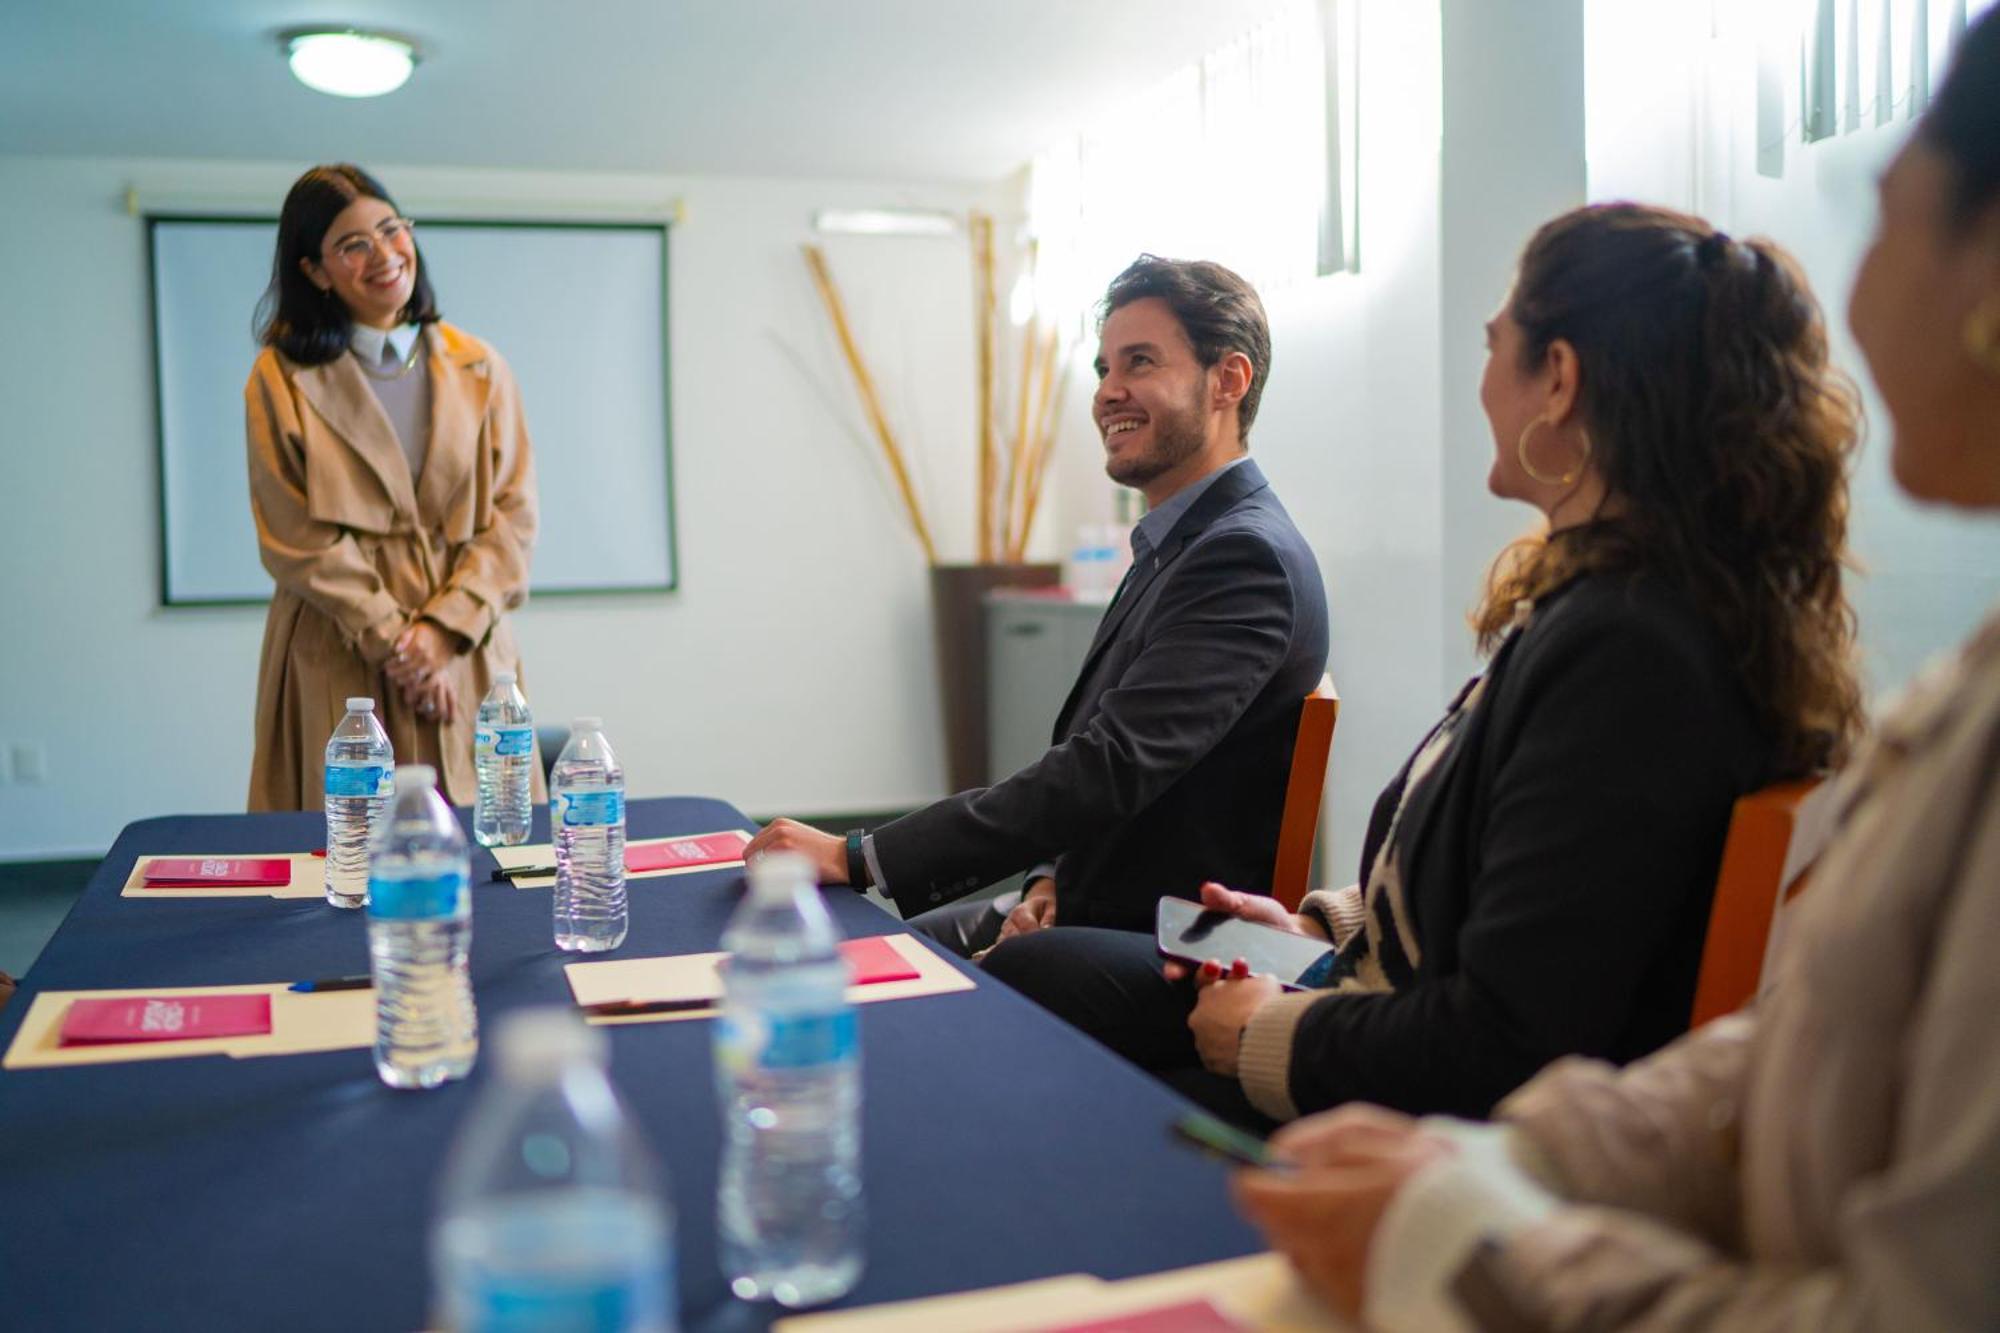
point(579, 310)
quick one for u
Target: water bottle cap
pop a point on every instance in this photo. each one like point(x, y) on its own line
point(540, 1041)
point(360, 704)
point(503, 678)
point(415, 777)
point(778, 873)
point(587, 724)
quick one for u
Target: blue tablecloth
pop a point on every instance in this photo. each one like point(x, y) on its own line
point(296, 1191)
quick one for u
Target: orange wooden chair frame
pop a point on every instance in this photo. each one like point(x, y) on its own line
point(1749, 889)
point(1299, 828)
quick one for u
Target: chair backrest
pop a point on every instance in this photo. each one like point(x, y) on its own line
point(1300, 827)
point(1774, 837)
point(550, 741)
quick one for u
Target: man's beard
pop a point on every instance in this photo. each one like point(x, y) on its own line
point(1177, 437)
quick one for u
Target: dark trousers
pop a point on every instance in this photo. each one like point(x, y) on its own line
point(966, 928)
point(1108, 983)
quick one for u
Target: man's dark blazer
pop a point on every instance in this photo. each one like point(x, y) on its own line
point(1168, 761)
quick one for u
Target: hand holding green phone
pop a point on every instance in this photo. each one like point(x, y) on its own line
point(1217, 1138)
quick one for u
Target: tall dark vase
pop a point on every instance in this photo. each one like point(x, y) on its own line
point(958, 595)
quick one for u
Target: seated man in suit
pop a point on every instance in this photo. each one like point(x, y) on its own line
point(1168, 762)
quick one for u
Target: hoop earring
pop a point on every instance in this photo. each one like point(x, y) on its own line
point(1546, 479)
point(1982, 336)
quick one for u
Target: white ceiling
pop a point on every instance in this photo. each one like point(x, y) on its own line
point(902, 90)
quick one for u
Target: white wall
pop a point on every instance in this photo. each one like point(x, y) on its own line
point(1513, 159)
point(792, 670)
point(1673, 121)
point(1471, 134)
point(1349, 430)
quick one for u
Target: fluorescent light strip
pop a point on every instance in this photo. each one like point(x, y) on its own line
point(886, 222)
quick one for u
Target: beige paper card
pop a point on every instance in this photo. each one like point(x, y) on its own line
point(308, 878)
point(992, 1310)
point(693, 976)
point(322, 1021)
point(1259, 1292)
point(544, 854)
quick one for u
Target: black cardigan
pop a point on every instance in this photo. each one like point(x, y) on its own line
point(1558, 861)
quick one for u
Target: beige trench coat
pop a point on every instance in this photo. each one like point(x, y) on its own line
point(359, 550)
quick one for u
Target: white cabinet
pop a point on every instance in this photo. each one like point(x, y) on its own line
point(1035, 644)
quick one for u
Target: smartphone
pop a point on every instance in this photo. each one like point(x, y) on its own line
point(1188, 932)
point(1217, 1138)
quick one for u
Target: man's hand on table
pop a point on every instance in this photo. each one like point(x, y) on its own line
point(826, 851)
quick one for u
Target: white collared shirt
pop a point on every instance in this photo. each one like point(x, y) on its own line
point(367, 341)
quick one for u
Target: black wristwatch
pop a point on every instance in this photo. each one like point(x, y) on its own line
point(857, 863)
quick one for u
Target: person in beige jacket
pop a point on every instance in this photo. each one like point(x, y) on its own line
point(393, 487)
point(1829, 1160)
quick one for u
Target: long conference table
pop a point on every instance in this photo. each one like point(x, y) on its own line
point(296, 1191)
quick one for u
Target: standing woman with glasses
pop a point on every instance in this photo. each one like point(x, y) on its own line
point(394, 492)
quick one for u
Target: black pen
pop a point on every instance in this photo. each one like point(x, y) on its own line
point(361, 982)
point(624, 1008)
point(522, 872)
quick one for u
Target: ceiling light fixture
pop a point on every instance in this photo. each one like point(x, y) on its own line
point(886, 222)
point(347, 62)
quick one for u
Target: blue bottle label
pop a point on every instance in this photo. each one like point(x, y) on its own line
point(534, 1303)
point(592, 809)
point(503, 741)
point(794, 1041)
point(344, 779)
point(428, 898)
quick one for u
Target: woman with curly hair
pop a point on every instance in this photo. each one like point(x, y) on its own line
point(1536, 880)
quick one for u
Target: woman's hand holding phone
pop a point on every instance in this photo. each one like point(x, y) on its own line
point(1224, 1010)
point(1257, 907)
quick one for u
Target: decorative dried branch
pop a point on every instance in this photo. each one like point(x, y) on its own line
point(1051, 384)
point(1017, 444)
point(986, 305)
point(837, 311)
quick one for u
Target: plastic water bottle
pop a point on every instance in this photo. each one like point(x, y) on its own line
point(1096, 564)
point(788, 1076)
point(587, 808)
point(503, 753)
point(552, 1215)
point(360, 768)
point(419, 933)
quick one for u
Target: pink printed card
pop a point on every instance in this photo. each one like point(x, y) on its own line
point(164, 1018)
point(204, 872)
point(875, 959)
point(1196, 1316)
point(680, 853)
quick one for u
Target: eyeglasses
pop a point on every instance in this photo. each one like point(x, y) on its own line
point(357, 248)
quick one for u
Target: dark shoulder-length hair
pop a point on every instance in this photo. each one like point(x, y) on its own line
point(1963, 122)
point(306, 324)
point(1724, 437)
